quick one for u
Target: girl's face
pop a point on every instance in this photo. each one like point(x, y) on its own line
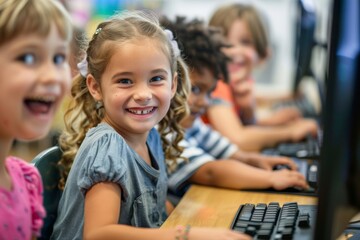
point(34, 76)
point(136, 87)
point(243, 53)
point(202, 85)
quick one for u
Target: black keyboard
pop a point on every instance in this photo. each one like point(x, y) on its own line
point(272, 221)
point(310, 149)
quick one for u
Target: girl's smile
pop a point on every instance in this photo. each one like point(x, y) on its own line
point(142, 113)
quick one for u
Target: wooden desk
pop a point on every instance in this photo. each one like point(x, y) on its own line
point(215, 207)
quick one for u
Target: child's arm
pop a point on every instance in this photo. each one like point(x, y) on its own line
point(237, 175)
point(262, 161)
point(280, 117)
point(102, 210)
point(169, 207)
point(244, 100)
point(255, 138)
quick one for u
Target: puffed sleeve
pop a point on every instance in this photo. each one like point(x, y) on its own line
point(35, 189)
point(103, 161)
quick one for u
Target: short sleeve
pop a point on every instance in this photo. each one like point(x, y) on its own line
point(221, 96)
point(102, 161)
point(35, 189)
point(223, 91)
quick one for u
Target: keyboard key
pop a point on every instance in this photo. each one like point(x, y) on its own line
point(264, 234)
point(304, 220)
point(246, 212)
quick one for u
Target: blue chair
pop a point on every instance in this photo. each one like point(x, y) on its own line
point(46, 163)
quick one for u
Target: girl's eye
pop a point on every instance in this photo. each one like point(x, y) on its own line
point(28, 58)
point(156, 79)
point(124, 81)
point(59, 59)
point(195, 90)
point(246, 42)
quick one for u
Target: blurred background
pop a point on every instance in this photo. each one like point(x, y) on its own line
point(274, 80)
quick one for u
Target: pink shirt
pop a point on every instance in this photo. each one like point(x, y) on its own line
point(21, 209)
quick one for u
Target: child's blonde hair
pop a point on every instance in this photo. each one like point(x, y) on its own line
point(226, 15)
point(83, 112)
point(24, 17)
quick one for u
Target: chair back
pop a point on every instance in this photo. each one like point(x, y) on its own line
point(46, 162)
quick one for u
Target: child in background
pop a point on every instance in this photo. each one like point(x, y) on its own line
point(246, 32)
point(131, 80)
point(34, 44)
point(213, 160)
point(234, 108)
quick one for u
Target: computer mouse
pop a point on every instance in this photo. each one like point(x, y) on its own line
point(302, 153)
point(312, 176)
point(281, 166)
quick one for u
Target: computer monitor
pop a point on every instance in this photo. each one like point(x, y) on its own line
point(339, 183)
point(304, 40)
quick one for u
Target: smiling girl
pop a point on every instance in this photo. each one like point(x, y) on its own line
point(34, 76)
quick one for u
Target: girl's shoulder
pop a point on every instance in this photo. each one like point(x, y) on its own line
point(101, 131)
point(24, 169)
point(105, 136)
point(101, 137)
point(24, 173)
point(103, 141)
point(222, 91)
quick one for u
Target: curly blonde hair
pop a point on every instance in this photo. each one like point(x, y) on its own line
point(83, 113)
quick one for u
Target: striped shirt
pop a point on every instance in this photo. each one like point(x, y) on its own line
point(202, 144)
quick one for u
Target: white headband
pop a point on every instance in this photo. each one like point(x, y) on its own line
point(83, 67)
point(174, 44)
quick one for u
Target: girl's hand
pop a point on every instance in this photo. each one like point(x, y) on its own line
point(243, 91)
point(284, 116)
point(269, 162)
point(216, 234)
point(284, 178)
point(281, 117)
point(300, 128)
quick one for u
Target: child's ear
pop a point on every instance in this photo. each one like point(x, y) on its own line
point(174, 85)
point(94, 87)
point(268, 53)
point(267, 56)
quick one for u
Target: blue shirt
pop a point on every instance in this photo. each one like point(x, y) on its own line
point(104, 156)
point(202, 144)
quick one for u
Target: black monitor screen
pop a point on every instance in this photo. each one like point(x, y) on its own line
point(304, 40)
point(339, 183)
